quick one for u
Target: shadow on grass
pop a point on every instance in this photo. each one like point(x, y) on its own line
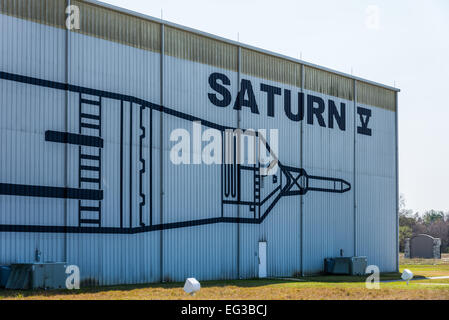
point(7, 293)
point(204, 284)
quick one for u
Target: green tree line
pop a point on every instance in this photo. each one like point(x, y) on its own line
point(432, 222)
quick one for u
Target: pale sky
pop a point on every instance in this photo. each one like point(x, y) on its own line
point(409, 47)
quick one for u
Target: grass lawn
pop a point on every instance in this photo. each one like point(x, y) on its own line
point(317, 287)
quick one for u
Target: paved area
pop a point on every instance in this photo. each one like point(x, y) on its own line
point(420, 278)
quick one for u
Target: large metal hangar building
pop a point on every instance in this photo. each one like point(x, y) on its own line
point(93, 104)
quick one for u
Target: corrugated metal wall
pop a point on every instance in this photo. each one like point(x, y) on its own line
point(329, 219)
point(33, 49)
point(119, 55)
point(376, 177)
point(206, 252)
point(123, 57)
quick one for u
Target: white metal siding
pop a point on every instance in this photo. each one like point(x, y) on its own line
point(328, 218)
point(25, 158)
point(376, 191)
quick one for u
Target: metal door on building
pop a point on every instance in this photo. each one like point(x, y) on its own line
point(262, 259)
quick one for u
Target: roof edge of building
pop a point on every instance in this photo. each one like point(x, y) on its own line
point(236, 43)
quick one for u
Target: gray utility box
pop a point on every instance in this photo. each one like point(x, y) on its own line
point(345, 265)
point(37, 276)
point(358, 265)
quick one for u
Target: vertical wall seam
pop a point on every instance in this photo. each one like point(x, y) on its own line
point(66, 156)
point(151, 167)
point(354, 168)
point(301, 165)
point(161, 154)
point(397, 181)
point(121, 164)
point(130, 165)
point(238, 126)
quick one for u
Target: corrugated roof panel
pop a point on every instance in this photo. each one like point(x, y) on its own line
point(111, 25)
point(49, 12)
point(376, 96)
point(189, 46)
point(269, 67)
point(328, 83)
